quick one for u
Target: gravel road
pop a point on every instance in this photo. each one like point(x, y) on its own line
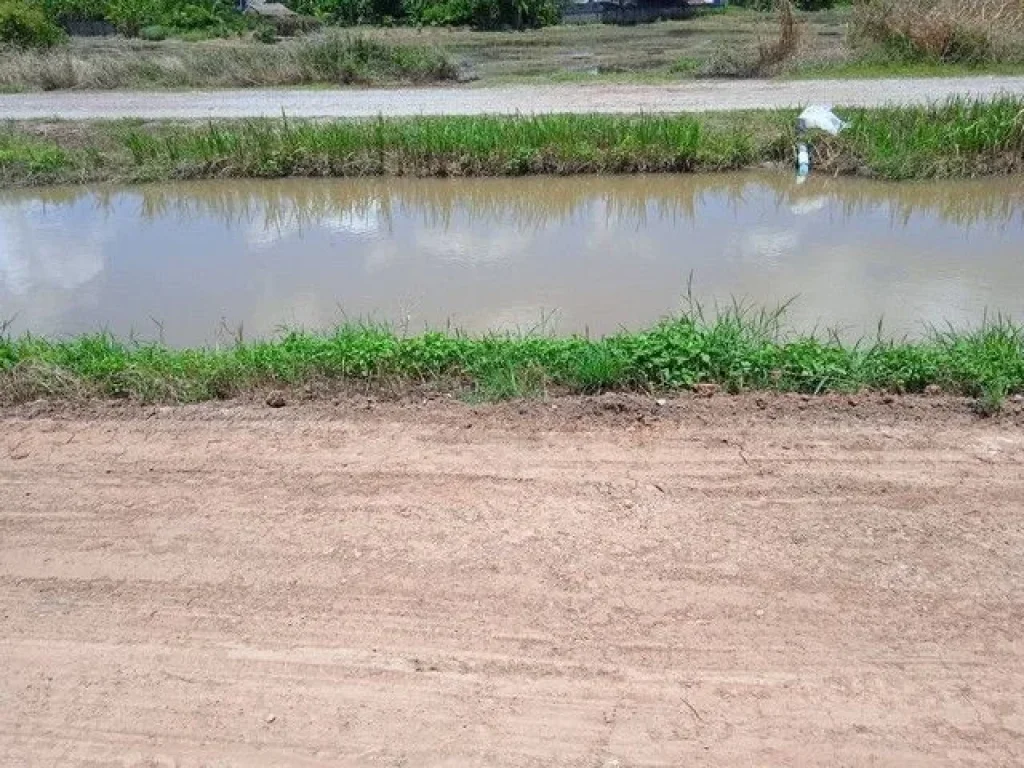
point(687, 97)
point(724, 582)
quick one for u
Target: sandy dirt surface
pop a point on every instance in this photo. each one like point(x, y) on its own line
point(531, 99)
point(730, 582)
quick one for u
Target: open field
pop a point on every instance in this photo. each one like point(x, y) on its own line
point(711, 582)
point(665, 50)
point(707, 46)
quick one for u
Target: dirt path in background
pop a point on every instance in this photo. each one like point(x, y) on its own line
point(684, 97)
point(724, 583)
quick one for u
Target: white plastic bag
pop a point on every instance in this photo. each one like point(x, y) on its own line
point(820, 117)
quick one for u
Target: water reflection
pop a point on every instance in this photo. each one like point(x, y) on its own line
point(539, 201)
point(592, 253)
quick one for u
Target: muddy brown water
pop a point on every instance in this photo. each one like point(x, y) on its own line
point(202, 263)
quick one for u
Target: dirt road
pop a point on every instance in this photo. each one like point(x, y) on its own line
point(532, 99)
point(608, 583)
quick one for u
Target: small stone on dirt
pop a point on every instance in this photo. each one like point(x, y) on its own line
point(932, 390)
point(759, 613)
point(853, 402)
point(276, 400)
point(271, 717)
point(661, 401)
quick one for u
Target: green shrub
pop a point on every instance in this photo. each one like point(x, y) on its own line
point(26, 26)
point(484, 14)
point(191, 17)
point(353, 11)
point(345, 12)
point(345, 58)
point(801, 5)
point(153, 32)
point(290, 26)
point(349, 12)
point(265, 34)
point(131, 16)
point(67, 11)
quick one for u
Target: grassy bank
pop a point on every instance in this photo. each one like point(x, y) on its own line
point(736, 350)
point(957, 139)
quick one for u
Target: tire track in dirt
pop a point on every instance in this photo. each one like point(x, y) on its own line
point(449, 586)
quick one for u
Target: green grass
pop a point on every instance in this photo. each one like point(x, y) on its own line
point(31, 158)
point(956, 139)
point(873, 68)
point(739, 350)
point(961, 138)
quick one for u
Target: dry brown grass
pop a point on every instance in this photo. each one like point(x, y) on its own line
point(330, 58)
point(771, 55)
point(974, 31)
point(767, 57)
point(714, 44)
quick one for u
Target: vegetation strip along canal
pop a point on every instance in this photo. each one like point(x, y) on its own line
point(959, 138)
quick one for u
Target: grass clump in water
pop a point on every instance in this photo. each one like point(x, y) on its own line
point(738, 350)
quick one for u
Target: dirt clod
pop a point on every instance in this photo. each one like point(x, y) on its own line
point(705, 389)
point(276, 400)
